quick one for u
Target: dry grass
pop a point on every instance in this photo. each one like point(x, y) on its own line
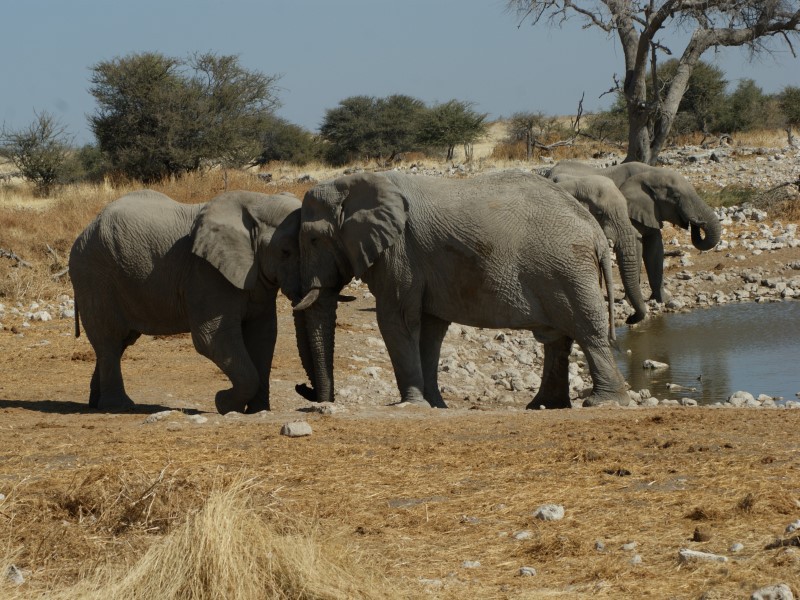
point(169, 540)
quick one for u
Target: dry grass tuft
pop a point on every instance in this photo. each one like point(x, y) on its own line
point(704, 514)
point(233, 549)
point(747, 504)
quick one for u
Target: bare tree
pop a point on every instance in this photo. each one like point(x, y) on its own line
point(639, 23)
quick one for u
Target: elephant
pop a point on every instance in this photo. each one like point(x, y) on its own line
point(502, 250)
point(149, 265)
point(609, 207)
point(655, 195)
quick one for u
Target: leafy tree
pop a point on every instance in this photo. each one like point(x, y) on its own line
point(160, 116)
point(609, 125)
point(704, 99)
point(365, 127)
point(530, 127)
point(451, 123)
point(789, 102)
point(744, 108)
point(641, 25)
point(287, 142)
point(41, 152)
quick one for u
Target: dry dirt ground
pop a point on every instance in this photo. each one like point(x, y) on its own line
point(418, 492)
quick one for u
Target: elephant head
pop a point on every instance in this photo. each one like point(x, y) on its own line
point(658, 194)
point(251, 239)
point(610, 208)
point(346, 225)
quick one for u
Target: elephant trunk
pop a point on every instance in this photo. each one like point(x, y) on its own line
point(321, 328)
point(306, 357)
point(627, 251)
point(705, 226)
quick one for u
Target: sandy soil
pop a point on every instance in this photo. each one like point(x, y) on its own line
point(423, 494)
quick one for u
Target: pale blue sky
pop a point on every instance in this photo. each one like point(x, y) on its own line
point(328, 50)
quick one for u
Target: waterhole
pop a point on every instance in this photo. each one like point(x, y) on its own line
point(714, 352)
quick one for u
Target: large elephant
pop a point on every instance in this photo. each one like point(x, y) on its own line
point(609, 207)
point(505, 250)
point(150, 265)
point(655, 195)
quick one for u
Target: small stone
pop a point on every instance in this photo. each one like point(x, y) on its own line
point(14, 575)
point(527, 571)
point(327, 408)
point(471, 564)
point(688, 402)
point(599, 546)
point(780, 591)
point(296, 429)
point(174, 426)
point(653, 364)
point(792, 527)
point(636, 559)
point(629, 546)
point(737, 547)
point(741, 398)
point(155, 417)
point(686, 555)
point(198, 419)
point(523, 535)
point(549, 512)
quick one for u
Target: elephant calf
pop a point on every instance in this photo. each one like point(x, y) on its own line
point(150, 265)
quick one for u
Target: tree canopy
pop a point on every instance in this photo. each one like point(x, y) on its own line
point(640, 27)
point(160, 116)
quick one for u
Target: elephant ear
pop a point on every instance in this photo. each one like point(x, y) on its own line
point(642, 205)
point(372, 217)
point(224, 234)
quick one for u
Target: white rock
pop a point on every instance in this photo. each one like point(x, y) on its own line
point(741, 398)
point(653, 364)
point(14, 575)
point(296, 429)
point(198, 419)
point(527, 571)
point(737, 547)
point(549, 512)
point(471, 564)
point(780, 591)
point(523, 535)
point(155, 417)
point(687, 555)
point(792, 527)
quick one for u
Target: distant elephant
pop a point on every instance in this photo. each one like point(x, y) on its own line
point(150, 265)
point(609, 207)
point(655, 195)
point(504, 250)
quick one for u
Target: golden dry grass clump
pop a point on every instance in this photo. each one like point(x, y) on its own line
point(230, 548)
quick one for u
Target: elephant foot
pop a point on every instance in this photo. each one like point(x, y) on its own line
point(112, 403)
point(549, 401)
point(607, 399)
point(437, 403)
point(256, 406)
point(306, 392)
point(421, 402)
point(226, 402)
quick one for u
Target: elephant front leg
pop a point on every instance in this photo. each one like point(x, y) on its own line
point(260, 336)
point(653, 255)
point(402, 338)
point(225, 347)
point(432, 332)
point(554, 391)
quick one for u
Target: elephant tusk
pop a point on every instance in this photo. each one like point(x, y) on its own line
point(307, 300)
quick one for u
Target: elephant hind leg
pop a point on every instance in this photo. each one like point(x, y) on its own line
point(401, 334)
point(107, 388)
point(554, 391)
point(432, 332)
point(609, 386)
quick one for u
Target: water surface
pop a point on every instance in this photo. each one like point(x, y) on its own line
point(720, 350)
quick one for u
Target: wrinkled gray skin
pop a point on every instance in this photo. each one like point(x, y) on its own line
point(609, 207)
point(505, 250)
point(150, 265)
point(655, 195)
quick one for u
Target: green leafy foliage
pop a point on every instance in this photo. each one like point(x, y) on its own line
point(451, 123)
point(160, 116)
point(41, 152)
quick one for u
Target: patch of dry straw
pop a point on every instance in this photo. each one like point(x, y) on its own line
point(236, 549)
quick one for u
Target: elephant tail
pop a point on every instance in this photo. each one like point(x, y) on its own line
point(77, 322)
point(605, 264)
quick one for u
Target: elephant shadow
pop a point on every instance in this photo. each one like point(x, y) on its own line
point(68, 407)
